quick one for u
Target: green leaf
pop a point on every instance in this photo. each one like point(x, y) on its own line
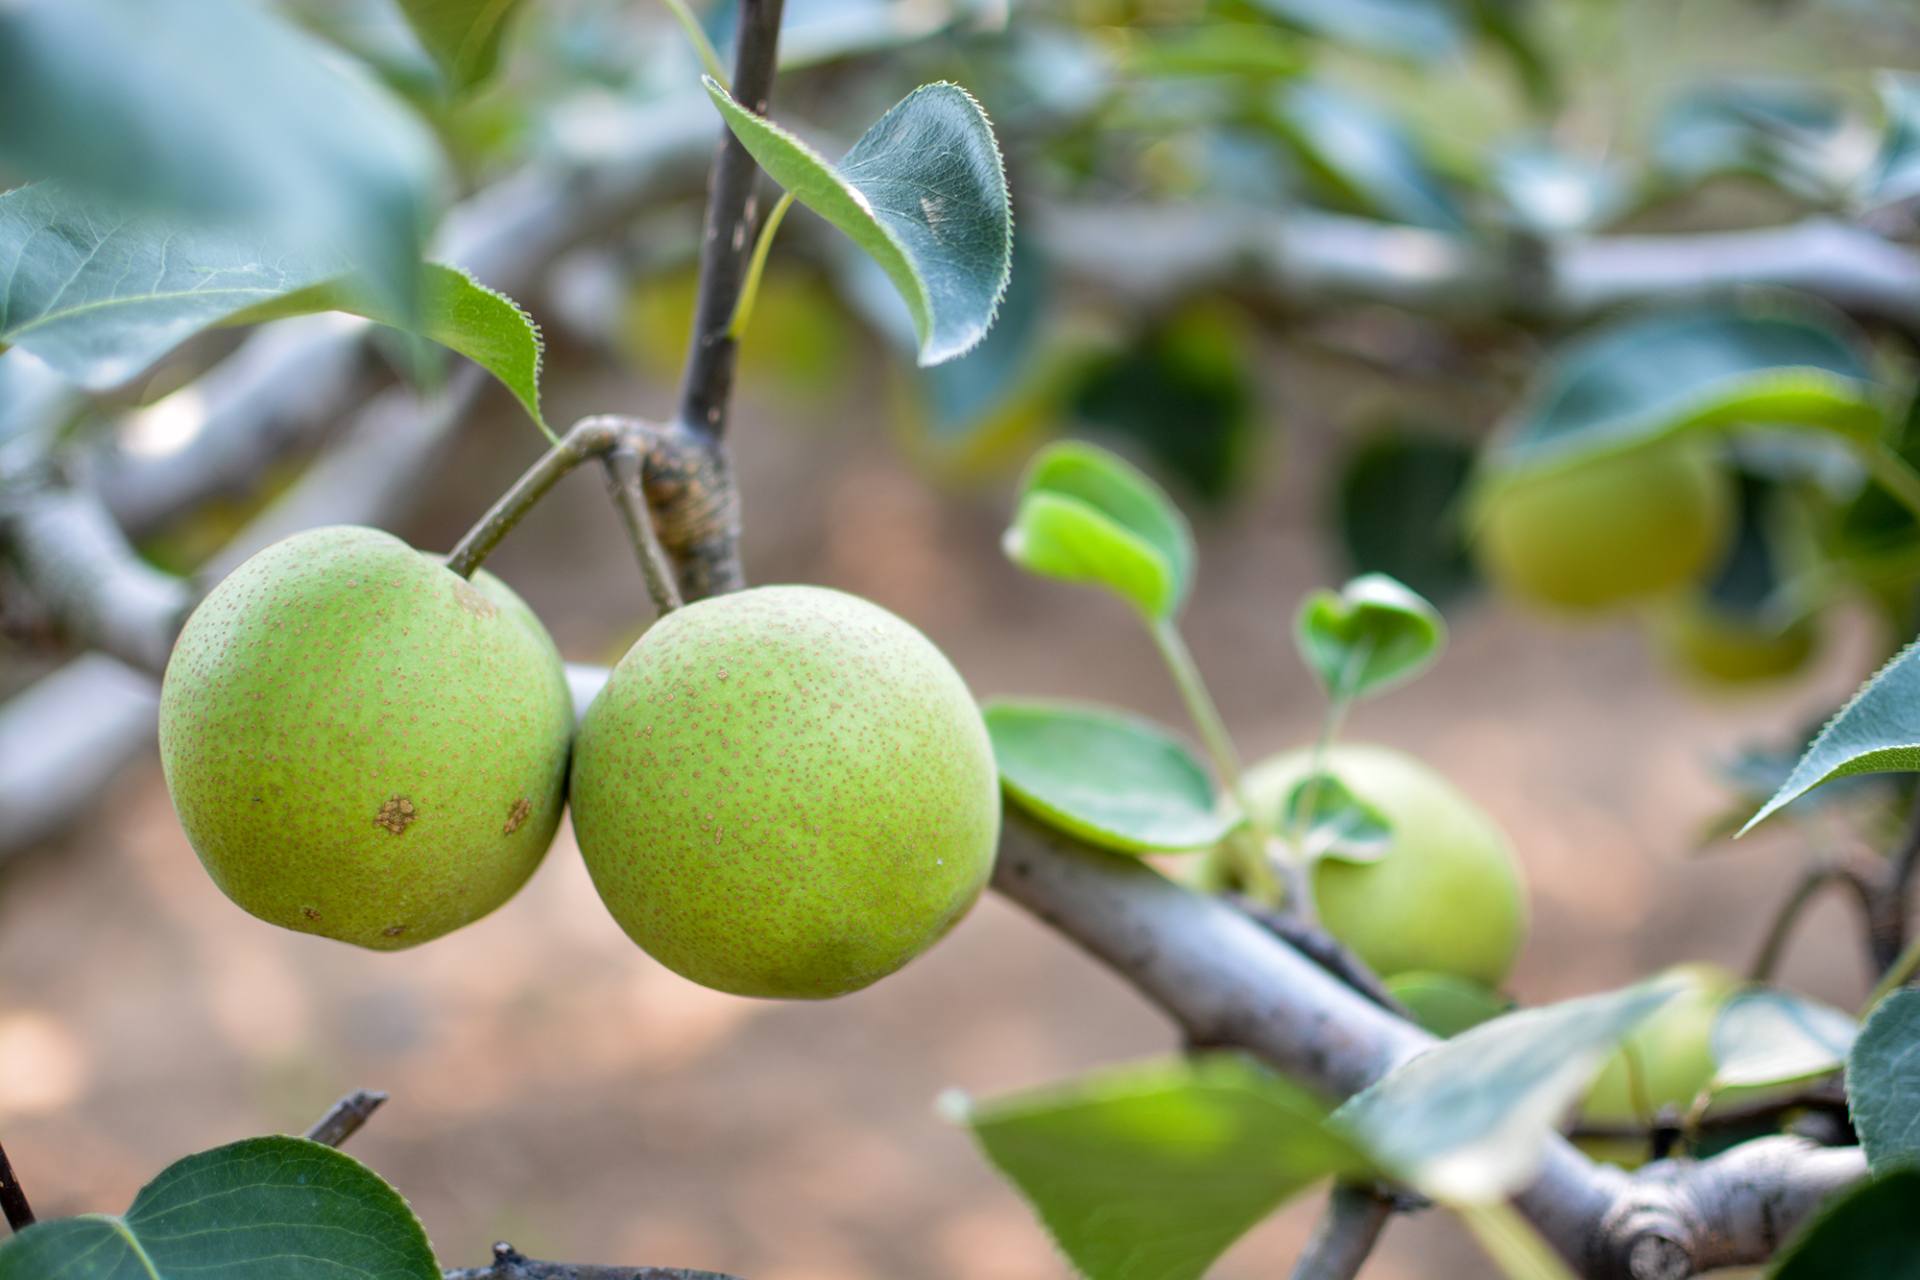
point(457, 311)
point(1466, 1121)
point(463, 36)
point(1872, 1230)
point(1765, 1037)
point(1218, 49)
point(1372, 634)
point(1398, 511)
point(1420, 30)
point(1883, 1083)
point(1326, 820)
point(1878, 731)
point(1363, 156)
point(1510, 1240)
point(923, 191)
point(218, 111)
point(1895, 172)
point(1445, 1003)
point(1111, 779)
point(1790, 134)
point(1638, 380)
point(1554, 193)
point(280, 1207)
point(1085, 515)
point(1149, 1172)
point(101, 300)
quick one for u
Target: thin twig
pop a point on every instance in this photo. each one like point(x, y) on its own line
point(344, 1118)
point(1316, 944)
point(13, 1198)
point(731, 229)
point(587, 438)
point(1805, 891)
point(623, 468)
point(510, 1264)
point(1348, 1230)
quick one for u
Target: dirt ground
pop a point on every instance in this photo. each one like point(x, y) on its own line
point(553, 1086)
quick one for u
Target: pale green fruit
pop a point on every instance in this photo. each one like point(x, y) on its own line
point(785, 792)
point(360, 743)
point(1672, 1053)
point(1721, 648)
point(1605, 532)
point(1445, 898)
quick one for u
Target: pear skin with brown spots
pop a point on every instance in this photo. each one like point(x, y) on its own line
point(362, 744)
point(785, 792)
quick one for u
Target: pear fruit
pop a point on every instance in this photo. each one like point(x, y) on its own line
point(362, 744)
point(785, 792)
point(1445, 897)
point(1672, 1061)
point(1605, 532)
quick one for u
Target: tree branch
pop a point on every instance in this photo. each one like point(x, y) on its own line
point(509, 1264)
point(13, 1197)
point(1305, 255)
point(344, 1118)
point(1354, 1218)
point(731, 226)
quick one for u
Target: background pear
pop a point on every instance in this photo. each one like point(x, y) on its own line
point(785, 792)
point(362, 744)
point(1446, 896)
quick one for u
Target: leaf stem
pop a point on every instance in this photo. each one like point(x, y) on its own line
point(1896, 976)
point(1247, 845)
point(750, 288)
point(1890, 471)
point(697, 37)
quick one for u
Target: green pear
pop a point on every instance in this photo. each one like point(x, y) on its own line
point(1606, 532)
point(785, 792)
point(362, 744)
point(1672, 1061)
point(1446, 895)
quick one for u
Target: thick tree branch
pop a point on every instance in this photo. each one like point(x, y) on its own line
point(1225, 980)
point(1307, 256)
point(69, 550)
point(1348, 1229)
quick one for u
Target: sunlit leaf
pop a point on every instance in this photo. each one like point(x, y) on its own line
point(1111, 779)
point(1883, 1083)
point(1651, 376)
point(1422, 30)
point(1363, 155)
point(280, 1207)
point(218, 111)
point(1466, 1121)
point(1870, 1230)
point(1370, 635)
point(1218, 49)
point(1555, 193)
point(99, 301)
point(1878, 731)
point(1085, 515)
point(1895, 172)
point(1149, 1172)
point(1764, 1036)
point(1510, 1240)
point(923, 191)
point(1791, 134)
point(463, 36)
